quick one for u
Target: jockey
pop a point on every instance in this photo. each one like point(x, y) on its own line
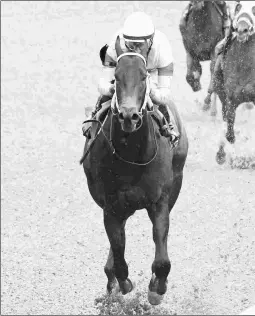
point(228, 34)
point(220, 47)
point(137, 30)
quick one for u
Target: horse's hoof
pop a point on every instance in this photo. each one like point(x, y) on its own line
point(112, 287)
point(127, 286)
point(221, 156)
point(213, 113)
point(207, 104)
point(154, 298)
point(206, 107)
point(230, 138)
point(197, 88)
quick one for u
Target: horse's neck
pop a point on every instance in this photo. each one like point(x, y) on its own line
point(242, 53)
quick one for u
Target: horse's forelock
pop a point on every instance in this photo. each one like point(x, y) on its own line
point(129, 63)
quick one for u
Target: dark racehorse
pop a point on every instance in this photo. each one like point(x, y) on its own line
point(130, 166)
point(200, 34)
point(235, 82)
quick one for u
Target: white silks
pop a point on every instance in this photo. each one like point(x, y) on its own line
point(104, 84)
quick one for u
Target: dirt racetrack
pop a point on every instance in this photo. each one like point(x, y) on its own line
point(54, 246)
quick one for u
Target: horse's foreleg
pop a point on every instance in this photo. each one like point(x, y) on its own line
point(109, 271)
point(219, 88)
point(116, 264)
point(207, 101)
point(161, 266)
point(224, 101)
point(194, 71)
point(231, 115)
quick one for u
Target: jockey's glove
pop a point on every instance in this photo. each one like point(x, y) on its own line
point(161, 93)
point(105, 85)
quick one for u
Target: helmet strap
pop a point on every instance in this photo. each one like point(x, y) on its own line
point(150, 45)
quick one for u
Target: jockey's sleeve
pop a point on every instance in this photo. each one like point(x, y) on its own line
point(162, 92)
point(105, 85)
point(165, 56)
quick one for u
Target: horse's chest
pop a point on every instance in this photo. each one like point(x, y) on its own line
point(131, 188)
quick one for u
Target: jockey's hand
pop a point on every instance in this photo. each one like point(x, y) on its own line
point(112, 90)
point(159, 95)
point(106, 88)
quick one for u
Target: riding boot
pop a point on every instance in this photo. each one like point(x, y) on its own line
point(168, 129)
point(86, 126)
point(184, 18)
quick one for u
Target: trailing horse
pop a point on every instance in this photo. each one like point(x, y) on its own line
point(129, 166)
point(202, 30)
point(235, 81)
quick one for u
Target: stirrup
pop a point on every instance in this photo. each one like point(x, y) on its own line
point(174, 138)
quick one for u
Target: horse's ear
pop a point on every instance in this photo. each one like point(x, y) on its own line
point(118, 49)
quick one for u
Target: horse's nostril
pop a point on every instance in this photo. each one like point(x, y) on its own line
point(121, 116)
point(135, 117)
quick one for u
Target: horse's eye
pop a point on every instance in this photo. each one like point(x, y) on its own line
point(253, 10)
point(238, 8)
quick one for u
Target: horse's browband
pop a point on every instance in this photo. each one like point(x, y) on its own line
point(131, 54)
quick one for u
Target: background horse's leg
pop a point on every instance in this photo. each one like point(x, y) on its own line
point(207, 101)
point(231, 115)
point(219, 88)
point(194, 71)
point(115, 229)
point(214, 105)
point(159, 216)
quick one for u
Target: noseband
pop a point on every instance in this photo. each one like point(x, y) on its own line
point(115, 103)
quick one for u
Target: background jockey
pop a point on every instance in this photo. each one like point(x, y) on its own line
point(139, 30)
point(231, 8)
point(222, 44)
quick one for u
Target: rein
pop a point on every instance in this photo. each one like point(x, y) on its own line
point(110, 142)
point(218, 8)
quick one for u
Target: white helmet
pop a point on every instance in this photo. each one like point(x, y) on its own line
point(138, 27)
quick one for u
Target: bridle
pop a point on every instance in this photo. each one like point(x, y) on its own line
point(115, 102)
point(115, 105)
